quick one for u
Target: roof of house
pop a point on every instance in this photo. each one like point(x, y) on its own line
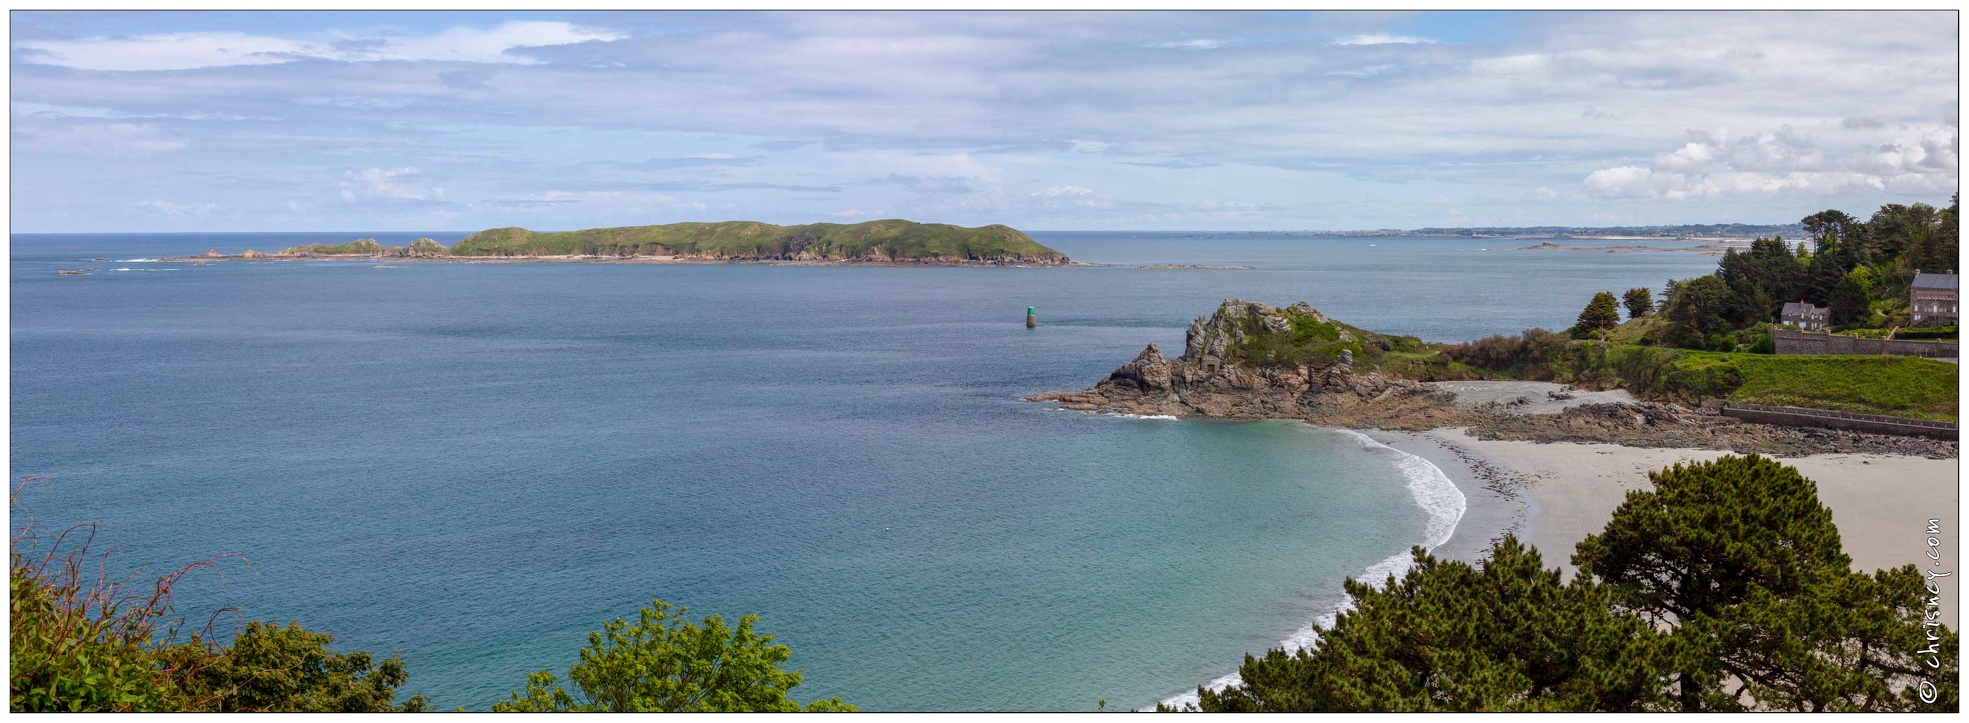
point(1926, 280)
point(1794, 308)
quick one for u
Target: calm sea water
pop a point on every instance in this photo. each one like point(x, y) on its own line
point(473, 465)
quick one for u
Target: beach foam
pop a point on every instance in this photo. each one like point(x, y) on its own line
point(1433, 492)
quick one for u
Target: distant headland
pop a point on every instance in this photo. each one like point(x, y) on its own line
point(1685, 232)
point(891, 241)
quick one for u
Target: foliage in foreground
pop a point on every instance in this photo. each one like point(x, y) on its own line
point(663, 663)
point(1505, 634)
point(1722, 588)
point(81, 641)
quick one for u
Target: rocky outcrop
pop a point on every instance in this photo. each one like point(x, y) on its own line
point(1208, 380)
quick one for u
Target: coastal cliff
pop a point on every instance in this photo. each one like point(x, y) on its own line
point(873, 242)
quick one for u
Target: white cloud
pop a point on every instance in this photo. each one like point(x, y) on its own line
point(187, 51)
point(1072, 196)
point(849, 213)
point(1384, 39)
point(176, 210)
point(925, 165)
point(1197, 44)
point(114, 140)
point(392, 184)
point(1714, 165)
point(1090, 146)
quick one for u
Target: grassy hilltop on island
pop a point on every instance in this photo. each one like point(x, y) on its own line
point(870, 241)
point(887, 240)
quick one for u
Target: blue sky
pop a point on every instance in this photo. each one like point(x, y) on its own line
point(459, 121)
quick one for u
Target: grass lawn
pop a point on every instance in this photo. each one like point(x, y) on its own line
point(1896, 385)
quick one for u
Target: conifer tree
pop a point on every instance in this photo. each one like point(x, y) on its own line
point(1603, 312)
point(1503, 635)
point(1639, 302)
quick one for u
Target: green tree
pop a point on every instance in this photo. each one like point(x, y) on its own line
point(1504, 635)
point(1741, 559)
point(1707, 532)
point(285, 669)
point(1851, 642)
point(1698, 312)
point(1831, 226)
point(663, 663)
point(1639, 302)
point(1849, 302)
point(1603, 312)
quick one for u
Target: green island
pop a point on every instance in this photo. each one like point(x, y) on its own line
point(889, 241)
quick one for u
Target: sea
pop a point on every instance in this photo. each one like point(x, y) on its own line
point(473, 465)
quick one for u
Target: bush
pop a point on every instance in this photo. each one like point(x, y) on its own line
point(1527, 356)
point(665, 664)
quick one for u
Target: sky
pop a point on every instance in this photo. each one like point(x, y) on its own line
point(333, 121)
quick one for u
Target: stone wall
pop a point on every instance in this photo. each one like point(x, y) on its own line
point(1875, 423)
point(1793, 341)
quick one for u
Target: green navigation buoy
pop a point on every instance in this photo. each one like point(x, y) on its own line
point(1032, 319)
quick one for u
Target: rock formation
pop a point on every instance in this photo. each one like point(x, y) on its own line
point(1213, 379)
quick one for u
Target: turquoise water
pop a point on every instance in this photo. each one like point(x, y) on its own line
point(473, 465)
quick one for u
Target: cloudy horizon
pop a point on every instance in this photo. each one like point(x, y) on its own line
point(348, 121)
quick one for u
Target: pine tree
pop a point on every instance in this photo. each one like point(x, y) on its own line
point(1639, 302)
point(1504, 635)
point(1603, 312)
point(1849, 302)
point(1742, 559)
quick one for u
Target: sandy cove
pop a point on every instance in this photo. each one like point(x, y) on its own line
point(1554, 494)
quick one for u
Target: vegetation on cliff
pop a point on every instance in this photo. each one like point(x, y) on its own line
point(1723, 588)
point(888, 240)
point(1261, 335)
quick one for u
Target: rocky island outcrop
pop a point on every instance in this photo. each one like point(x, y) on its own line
point(1252, 360)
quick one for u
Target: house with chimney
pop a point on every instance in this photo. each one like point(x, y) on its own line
point(1804, 315)
point(1932, 298)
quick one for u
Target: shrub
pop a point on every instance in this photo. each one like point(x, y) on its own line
point(663, 663)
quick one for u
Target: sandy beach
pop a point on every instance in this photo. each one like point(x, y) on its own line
point(1560, 492)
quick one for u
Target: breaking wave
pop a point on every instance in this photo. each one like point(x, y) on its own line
point(1433, 492)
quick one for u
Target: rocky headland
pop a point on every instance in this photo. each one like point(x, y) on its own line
point(1250, 360)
